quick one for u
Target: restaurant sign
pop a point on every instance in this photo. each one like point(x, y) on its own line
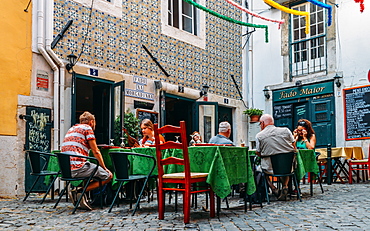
point(139, 92)
point(303, 91)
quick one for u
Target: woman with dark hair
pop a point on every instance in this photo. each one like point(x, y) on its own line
point(147, 129)
point(304, 135)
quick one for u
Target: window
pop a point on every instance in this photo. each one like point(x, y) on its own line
point(308, 51)
point(182, 15)
point(111, 7)
point(181, 20)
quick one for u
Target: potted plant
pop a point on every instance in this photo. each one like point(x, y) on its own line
point(254, 114)
point(130, 123)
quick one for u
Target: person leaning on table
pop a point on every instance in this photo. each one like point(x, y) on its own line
point(270, 141)
point(224, 132)
point(79, 140)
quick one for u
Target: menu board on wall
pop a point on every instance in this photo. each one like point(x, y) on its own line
point(281, 111)
point(357, 112)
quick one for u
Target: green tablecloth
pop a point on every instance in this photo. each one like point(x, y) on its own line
point(306, 162)
point(226, 165)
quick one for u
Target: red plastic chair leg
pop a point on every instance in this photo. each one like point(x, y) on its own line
point(350, 174)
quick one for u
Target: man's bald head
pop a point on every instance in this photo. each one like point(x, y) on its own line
point(266, 120)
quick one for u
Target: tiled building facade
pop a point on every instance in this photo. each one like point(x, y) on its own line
point(115, 44)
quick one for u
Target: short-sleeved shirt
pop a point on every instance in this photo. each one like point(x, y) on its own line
point(146, 141)
point(76, 142)
point(220, 139)
point(271, 141)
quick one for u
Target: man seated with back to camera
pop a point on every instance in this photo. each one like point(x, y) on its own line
point(79, 140)
point(224, 132)
point(270, 141)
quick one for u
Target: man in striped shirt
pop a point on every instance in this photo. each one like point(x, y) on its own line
point(79, 140)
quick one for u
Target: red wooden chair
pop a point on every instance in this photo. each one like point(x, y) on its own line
point(184, 179)
point(357, 166)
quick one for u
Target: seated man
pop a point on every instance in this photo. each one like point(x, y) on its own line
point(270, 141)
point(224, 132)
point(79, 140)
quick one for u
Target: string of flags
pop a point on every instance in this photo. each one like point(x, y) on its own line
point(229, 19)
point(274, 5)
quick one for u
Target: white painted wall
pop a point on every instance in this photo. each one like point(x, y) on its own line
point(353, 46)
point(266, 60)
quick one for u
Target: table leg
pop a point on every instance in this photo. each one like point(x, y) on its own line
point(218, 202)
point(311, 186)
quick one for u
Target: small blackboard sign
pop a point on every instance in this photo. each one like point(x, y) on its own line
point(38, 129)
point(146, 114)
point(283, 111)
point(357, 112)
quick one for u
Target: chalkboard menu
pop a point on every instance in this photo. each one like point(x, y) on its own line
point(38, 138)
point(146, 114)
point(357, 112)
point(38, 129)
point(282, 111)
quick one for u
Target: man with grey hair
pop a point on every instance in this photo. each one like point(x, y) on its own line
point(224, 132)
point(270, 141)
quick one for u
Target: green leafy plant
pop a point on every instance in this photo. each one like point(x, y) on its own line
point(131, 123)
point(253, 111)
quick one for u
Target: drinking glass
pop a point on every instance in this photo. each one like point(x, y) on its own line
point(111, 142)
point(177, 139)
point(122, 142)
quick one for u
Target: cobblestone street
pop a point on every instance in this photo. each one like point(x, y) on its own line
point(341, 207)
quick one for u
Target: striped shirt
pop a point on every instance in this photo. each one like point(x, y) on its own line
point(76, 142)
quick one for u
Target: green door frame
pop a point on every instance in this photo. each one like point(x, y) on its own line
point(197, 113)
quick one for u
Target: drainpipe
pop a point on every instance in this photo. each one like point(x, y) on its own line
point(41, 49)
point(49, 18)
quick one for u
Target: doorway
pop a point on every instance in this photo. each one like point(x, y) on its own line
point(177, 109)
point(94, 95)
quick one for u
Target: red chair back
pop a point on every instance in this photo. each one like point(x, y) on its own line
point(172, 145)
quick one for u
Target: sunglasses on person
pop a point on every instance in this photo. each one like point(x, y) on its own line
point(302, 123)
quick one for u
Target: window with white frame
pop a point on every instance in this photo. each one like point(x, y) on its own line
point(183, 21)
point(182, 15)
point(308, 51)
point(111, 7)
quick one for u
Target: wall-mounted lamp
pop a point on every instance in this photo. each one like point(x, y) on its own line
point(298, 83)
point(204, 92)
point(26, 117)
point(337, 80)
point(72, 61)
point(266, 93)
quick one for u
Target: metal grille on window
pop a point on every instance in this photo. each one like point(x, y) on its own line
point(308, 51)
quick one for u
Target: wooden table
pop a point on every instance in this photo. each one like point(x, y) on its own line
point(344, 152)
point(337, 154)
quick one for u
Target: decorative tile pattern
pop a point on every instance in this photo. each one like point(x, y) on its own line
point(116, 44)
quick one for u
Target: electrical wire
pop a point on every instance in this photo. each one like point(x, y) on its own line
point(87, 31)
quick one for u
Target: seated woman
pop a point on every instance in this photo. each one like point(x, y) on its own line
point(147, 129)
point(304, 135)
point(196, 138)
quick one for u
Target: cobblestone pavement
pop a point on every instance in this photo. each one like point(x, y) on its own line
point(341, 207)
